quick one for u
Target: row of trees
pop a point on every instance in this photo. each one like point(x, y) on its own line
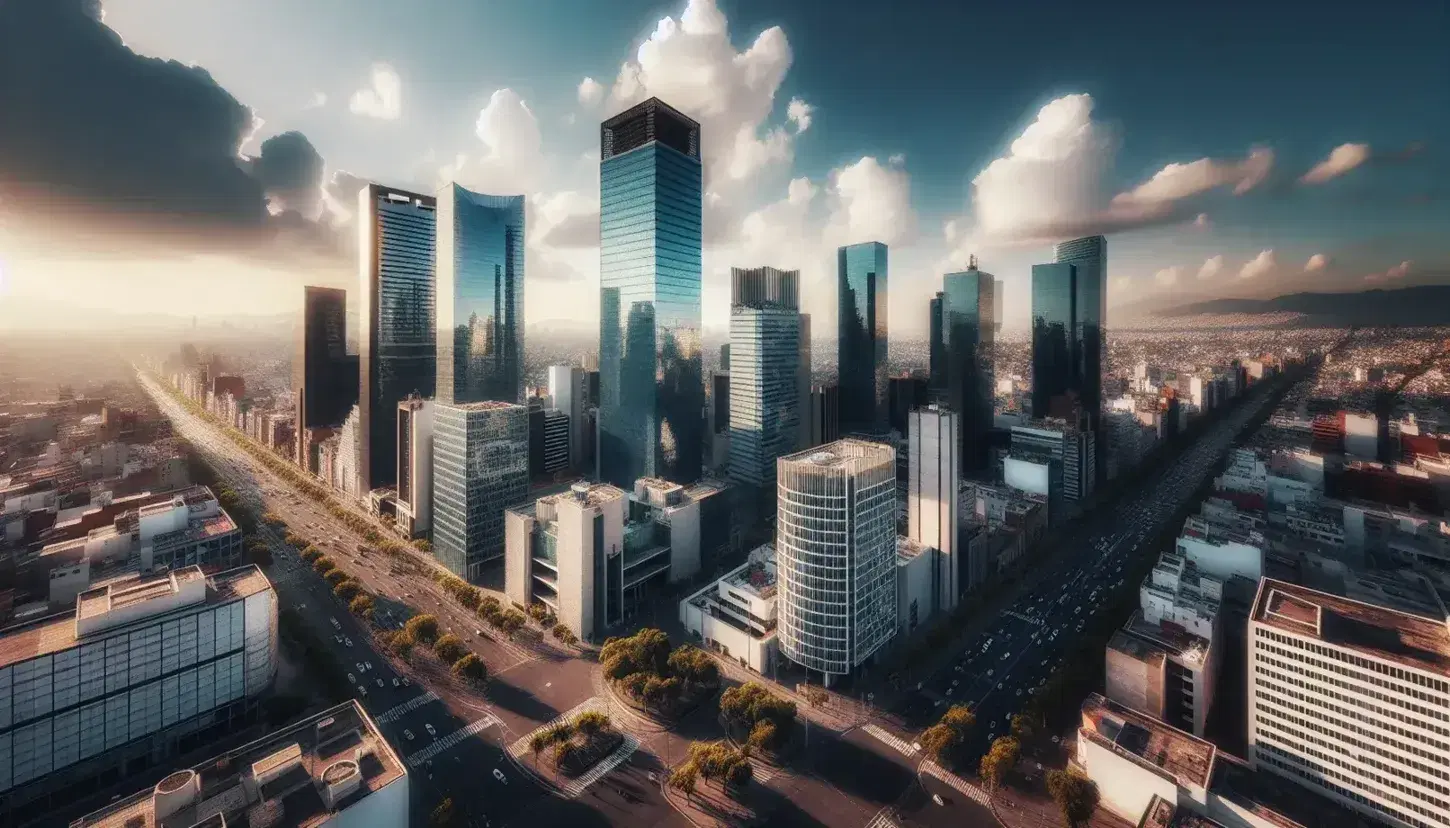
point(765, 718)
point(422, 630)
point(718, 762)
point(645, 668)
point(577, 745)
point(945, 741)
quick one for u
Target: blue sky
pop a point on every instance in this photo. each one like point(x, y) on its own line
point(930, 93)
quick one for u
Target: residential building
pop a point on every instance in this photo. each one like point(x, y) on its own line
point(652, 393)
point(968, 330)
point(764, 374)
point(1222, 551)
point(836, 553)
point(397, 344)
point(933, 481)
point(736, 615)
point(480, 468)
point(480, 296)
point(329, 770)
point(861, 336)
point(415, 466)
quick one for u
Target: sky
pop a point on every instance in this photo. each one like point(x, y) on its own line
point(200, 157)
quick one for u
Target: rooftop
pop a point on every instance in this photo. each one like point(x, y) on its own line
point(907, 549)
point(1137, 649)
point(841, 453)
point(755, 578)
point(1354, 625)
point(293, 778)
point(1173, 639)
point(1168, 751)
point(486, 405)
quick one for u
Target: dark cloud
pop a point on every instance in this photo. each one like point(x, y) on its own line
point(120, 150)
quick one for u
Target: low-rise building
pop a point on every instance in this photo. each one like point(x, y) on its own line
point(736, 615)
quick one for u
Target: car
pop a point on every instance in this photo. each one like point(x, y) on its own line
point(498, 774)
point(380, 682)
point(362, 691)
point(406, 682)
point(478, 633)
point(999, 685)
point(335, 625)
point(395, 681)
point(368, 665)
point(351, 679)
point(361, 668)
point(347, 641)
point(431, 731)
point(408, 734)
point(337, 638)
point(955, 682)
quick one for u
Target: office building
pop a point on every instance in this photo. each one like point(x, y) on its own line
point(415, 467)
point(569, 389)
point(480, 468)
point(904, 395)
point(556, 441)
point(397, 344)
point(825, 414)
point(329, 770)
point(480, 290)
point(803, 385)
point(1089, 259)
point(836, 555)
point(141, 671)
point(1053, 458)
point(652, 394)
point(764, 374)
point(936, 342)
point(932, 499)
point(861, 336)
point(736, 615)
point(968, 331)
point(1054, 335)
point(324, 376)
point(1350, 700)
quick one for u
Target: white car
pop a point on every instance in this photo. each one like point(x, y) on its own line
point(361, 668)
point(380, 683)
point(347, 641)
point(498, 774)
point(395, 681)
point(368, 665)
point(408, 734)
point(431, 731)
point(351, 679)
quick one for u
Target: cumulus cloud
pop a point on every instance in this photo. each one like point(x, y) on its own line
point(591, 92)
point(383, 96)
point(1259, 265)
point(290, 171)
point(799, 113)
point(872, 202)
point(567, 219)
point(1202, 222)
point(1176, 182)
point(779, 234)
point(319, 100)
point(1341, 160)
point(1211, 267)
point(512, 158)
point(1394, 274)
point(1316, 263)
point(1168, 276)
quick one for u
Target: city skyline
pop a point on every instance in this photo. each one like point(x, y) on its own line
point(1289, 197)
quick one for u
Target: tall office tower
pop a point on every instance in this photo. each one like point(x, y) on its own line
point(861, 283)
point(936, 343)
point(569, 389)
point(765, 355)
point(325, 390)
point(415, 466)
point(556, 441)
point(651, 413)
point(968, 339)
point(111, 686)
point(1054, 341)
point(1089, 258)
point(825, 414)
point(803, 385)
point(480, 468)
point(932, 498)
point(396, 349)
point(1350, 700)
point(836, 554)
point(480, 264)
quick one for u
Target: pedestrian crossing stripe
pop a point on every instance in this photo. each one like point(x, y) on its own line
point(901, 745)
point(405, 708)
point(961, 785)
point(422, 756)
point(602, 768)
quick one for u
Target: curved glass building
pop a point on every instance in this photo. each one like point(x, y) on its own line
point(480, 290)
point(836, 554)
point(652, 390)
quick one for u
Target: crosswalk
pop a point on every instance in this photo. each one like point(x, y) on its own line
point(961, 785)
point(579, 784)
point(892, 740)
point(882, 820)
point(1028, 618)
point(521, 748)
point(405, 708)
point(418, 758)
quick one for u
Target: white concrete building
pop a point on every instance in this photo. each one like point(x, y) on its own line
point(415, 466)
point(569, 391)
point(916, 585)
point(932, 500)
point(1222, 552)
point(558, 549)
point(736, 615)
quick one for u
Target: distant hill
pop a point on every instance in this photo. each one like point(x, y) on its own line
point(1427, 305)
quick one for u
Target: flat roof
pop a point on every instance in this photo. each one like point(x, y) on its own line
point(325, 748)
point(53, 633)
point(1165, 749)
point(1375, 631)
point(841, 453)
point(486, 405)
point(1137, 649)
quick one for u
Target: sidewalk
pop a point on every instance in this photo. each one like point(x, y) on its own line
point(834, 715)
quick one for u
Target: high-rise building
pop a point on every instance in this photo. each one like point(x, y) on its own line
point(1089, 258)
point(324, 379)
point(480, 280)
point(803, 384)
point(936, 341)
point(836, 554)
point(968, 332)
point(825, 414)
point(651, 413)
point(480, 468)
point(1054, 339)
point(904, 395)
point(415, 466)
point(556, 441)
point(140, 671)
point(568, 388)
point(397, 344)
point(932, 498)
point(765, 376)
point(562, 552)
point(861, 280)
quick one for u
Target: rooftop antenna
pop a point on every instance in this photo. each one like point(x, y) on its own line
point(972, 262)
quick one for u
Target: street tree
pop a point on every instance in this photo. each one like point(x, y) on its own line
point(1076, 796)
point(998, 760)
point(423, 628)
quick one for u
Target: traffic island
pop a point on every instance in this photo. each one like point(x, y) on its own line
point(719, 785)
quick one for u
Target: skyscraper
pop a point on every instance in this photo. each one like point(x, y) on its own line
point(968, 331)
point(652, 391)
point(836, 554)
point(861, 336)
point(480, 280)
point(764, 377)
point(1054, 342)
point(480, 468)
point(932, 499)
point(936, 342)
point(568, 388)
point(803, 385)
point(1089, 258)
point(397, 345)
point(325, 387)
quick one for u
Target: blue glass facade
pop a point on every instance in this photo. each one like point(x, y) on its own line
point(765, 354)
point(652, 391)
point(480, 468)
point(1089, 256)
point(1054, 340)
point(396, 353)
point(480, 266)
point(861, 336)
point(969, 327)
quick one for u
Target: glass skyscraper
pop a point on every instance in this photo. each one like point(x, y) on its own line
point(936, 339)
point(1080, 306)
point(480, 468)
point(1054, 339)
point(969, 327)
point(324, 378)
point(397, 347)
point(651, 418)
point(861, 336)
point(765, 354)
point(480, 264)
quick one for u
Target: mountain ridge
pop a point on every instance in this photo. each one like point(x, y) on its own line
point(1419, 306)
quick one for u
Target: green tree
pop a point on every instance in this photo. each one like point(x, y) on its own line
point(512, 622)
point(684, 777)
point(816, 697)
point(401, 643)
point(294, 539)
point(763, 735)
point(739, 773)
point(940, 742)
point(471, 668)
point(449, 648)
point(423, 546)
point(469, 597)
point(591, 723)
point(565, 635)
point(347, 589)
point(310, 553)
point(362, 606)
point(537, 743)
point(323, 565)
point(335, 576)
point(998, 760)
point(1076, 796)
point(259, 553)
point(444, 816)
point(422, 628)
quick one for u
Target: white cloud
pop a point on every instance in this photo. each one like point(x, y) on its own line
point(1211, 267)
point(512, 160)
point(1341, 160)
point(382, 98)
point(1259, 265)
point(1394, 274)
point(896, 159)
point(1179, 181)
point(778, 234)
point(1317, 262)
point(1168, 276)
point(799, 113)
point(871, 202)
point(1202, 221)
point(591, 92)
point(319, 100)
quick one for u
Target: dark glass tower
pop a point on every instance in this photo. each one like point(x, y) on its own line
point(861, 336)
point(651, 418)
point(397, 346)
point(1089, 258)
point(937, 342)
point(969, 326)
point(1054, 339)
point(480, 265)
point(323, 377)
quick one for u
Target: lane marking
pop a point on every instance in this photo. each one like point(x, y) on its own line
point(401, 710)
point(892, 740)
point(417, 759)
point(577, 786)
point(961, 785)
